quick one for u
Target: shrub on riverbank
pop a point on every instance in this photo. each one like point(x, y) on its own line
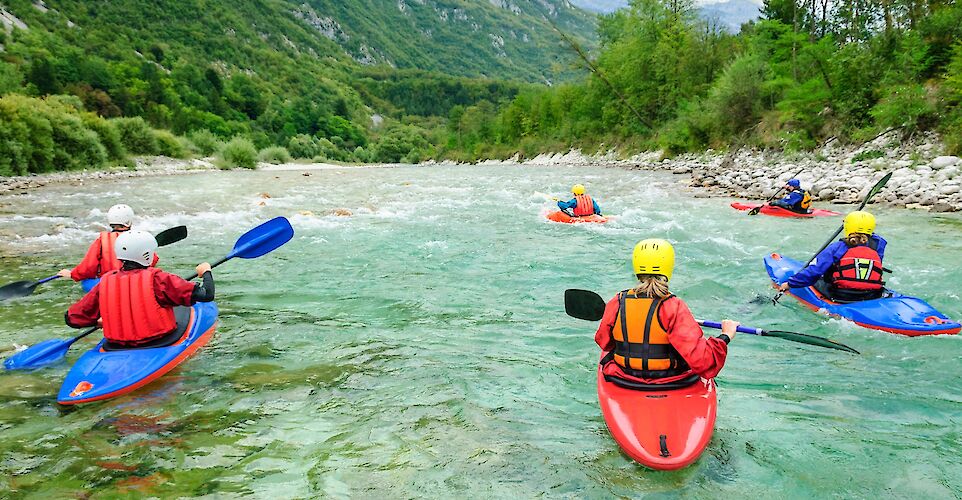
point(45, 135)
point(137, 136)
point(205, 142)
point(238, 153)
point(39, 135)
point(274, 154)
point(169, 144)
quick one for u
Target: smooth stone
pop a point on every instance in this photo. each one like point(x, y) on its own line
point(949, 189)
point(944, 161)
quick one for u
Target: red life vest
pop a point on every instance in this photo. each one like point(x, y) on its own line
point(586, 206)
point(642, 348)
point(860, 268)
point(108, 256)
point(130, 311)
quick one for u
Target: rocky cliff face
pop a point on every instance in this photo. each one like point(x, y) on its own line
point(495, 38)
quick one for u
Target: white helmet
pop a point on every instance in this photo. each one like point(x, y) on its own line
point(120, 214)
point(136, 246)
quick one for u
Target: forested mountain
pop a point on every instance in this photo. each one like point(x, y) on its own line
point(270, 70)
point(507, 39)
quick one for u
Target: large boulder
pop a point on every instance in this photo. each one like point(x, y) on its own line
point(948, 189)
point(941, 162)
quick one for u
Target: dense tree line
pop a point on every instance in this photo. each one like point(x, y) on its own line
point(806, 72)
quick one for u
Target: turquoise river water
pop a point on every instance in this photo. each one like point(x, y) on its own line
point(419, 348)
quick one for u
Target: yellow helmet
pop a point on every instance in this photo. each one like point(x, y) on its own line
point(859, 222)
point(653, 256)
point(577, 190)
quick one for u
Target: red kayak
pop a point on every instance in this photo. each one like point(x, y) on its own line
point(663, 429)
point(782, 212)
point(559, 216)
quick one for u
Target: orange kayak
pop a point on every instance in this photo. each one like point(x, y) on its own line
point(559, 216)
point(663, 429)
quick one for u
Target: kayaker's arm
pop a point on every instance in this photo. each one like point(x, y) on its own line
point(790, 200)
point(881, 246)
point(705, 356)
point(596, 207)
point(88, 267)
point(811, 274)
point(204, 292)
point(603, 335)
point(567, 205)
point(85, 312)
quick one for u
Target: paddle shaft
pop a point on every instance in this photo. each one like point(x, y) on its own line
point(741, 329)
point(757, 209)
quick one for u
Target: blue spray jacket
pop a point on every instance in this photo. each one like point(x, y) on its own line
point(825, 260)
point(570, 205)
point(792, 199)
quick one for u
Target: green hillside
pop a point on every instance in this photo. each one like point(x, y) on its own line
point(273, 70)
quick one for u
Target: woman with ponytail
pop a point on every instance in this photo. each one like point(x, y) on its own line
point(850, 269)
point(650, 334)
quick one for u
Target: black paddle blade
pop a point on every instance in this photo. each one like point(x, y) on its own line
point(875, 189)
point(810, 340)
point(584, 304)
point(172, 235)
point(18, 289)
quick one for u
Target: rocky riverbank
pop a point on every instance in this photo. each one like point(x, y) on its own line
point(144, 167)
point(922, 176)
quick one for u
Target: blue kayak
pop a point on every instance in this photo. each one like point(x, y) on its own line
point(895, 314)
point(101, 373)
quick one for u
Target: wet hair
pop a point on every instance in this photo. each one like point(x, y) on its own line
point(652, 285)
point(856, 239)
point(130, 265)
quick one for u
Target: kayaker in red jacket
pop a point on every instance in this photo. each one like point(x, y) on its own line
point(100, 258)
point(136, 302)
point(664, 342)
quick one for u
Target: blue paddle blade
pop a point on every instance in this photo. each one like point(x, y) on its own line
point(40, 355)
point(263, 239)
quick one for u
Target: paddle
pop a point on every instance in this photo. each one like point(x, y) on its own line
point(872, 192)
point(546, 196)
point(757, 209)
point(24, 288)
point(589, 306)
point(255, 243)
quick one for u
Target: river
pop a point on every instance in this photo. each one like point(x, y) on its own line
point(420, 347)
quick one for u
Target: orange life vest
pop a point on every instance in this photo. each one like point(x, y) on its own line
point(108, 256)
point(130, 311)
point(806, 202)
point(642, 348)
point(586, 206)
point(860, 268)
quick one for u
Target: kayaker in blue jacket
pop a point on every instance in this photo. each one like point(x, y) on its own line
point(850, 269)
point(581, 205)
point(797, 200)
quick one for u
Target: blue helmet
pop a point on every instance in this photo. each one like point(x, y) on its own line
point(795, 183)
